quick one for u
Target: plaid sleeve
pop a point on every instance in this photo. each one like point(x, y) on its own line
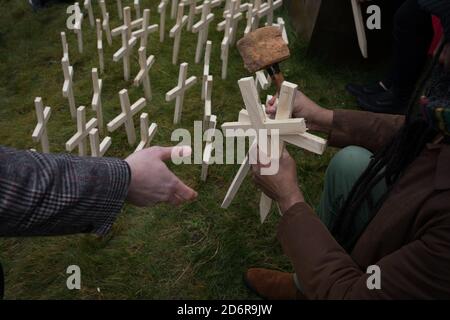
point(49, 194)
point(441, 9)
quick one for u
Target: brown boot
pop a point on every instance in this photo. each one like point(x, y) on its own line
point(272, 285)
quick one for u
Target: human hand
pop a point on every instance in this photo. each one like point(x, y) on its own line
point(283, 186)
point(444, 58)
point(317, 118)
point(152, 182)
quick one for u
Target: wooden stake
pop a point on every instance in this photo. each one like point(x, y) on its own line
point(126, 116)
point(206, 67)
point(96, 102)
point(162, 22)
point(360, 28)
point(40, 132)
point(77, 28)
point(107, 29)
point(173, 9)
point(208, 102)
point(88, 7)
point(101, 60)
point(207, 152)
point(119, 9)
point(67, 89)
point(225, 47)
point(147, 133)
point(83, 129)
point(137, 8)
point(65, 46)
point(179, 91)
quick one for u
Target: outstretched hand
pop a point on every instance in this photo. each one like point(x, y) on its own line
point(152, 182)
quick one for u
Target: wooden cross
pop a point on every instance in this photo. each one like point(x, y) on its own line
point(127, 22)
point(77, 27)
point(65, 46)
point(126, 116)
point(67, 89)
point(288, 130)
point(262, 81)
point(255, 20)
point(146, 29)
point(207, 152)
point(234, 16)
point(213, 4)
point(208, 102)
point(96, 101)
point(173, 9)
point(251, 14)
point(192, 10)
point(88, 7)
point(147, 133)
point(162, 22)
point(105, 23)
point(143, 77)
point(360, 28)
point(206, 67)
point(225, 47)
point(175, 32)
point(124, 52)
point(119, 9)
point(137, 8)
point(98, 149)
point(268, 9)
point(179, 91)
point(40, 132)
point(101, 59)
point(232, 9)
point(202, 28)
point(83, 129)
point(281, 24)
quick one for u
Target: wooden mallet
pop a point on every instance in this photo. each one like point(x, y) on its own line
point(264, 48)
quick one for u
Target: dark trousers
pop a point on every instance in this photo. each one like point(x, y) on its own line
point(413, 33)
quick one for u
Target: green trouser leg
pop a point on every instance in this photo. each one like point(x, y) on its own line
point(343, 171)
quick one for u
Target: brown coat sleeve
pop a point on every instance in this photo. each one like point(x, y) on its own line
point(365, 129)
point(417, 270)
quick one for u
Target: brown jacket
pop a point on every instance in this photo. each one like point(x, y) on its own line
point(409, 238)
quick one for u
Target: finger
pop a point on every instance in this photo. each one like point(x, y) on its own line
point(184, 192)
point(167, 153)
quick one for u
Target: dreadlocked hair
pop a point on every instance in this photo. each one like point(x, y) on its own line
point(388, 164)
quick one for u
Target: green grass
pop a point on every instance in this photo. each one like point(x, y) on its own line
point(197, 251)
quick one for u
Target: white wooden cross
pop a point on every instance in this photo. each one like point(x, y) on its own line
point(147, 133)
point(257, 5)
point(98, 149)
point(162, 20)
point(179, 91)
point(101, 59)
point(175, 32)
point(232, 9)
point(96, 101)
point(225, 47)
point(282, 25)
point(105, 23)
point(126, 116)
point(192, 11)
point(77, 27)
point(127, 22)
point(119, 9)
point(124, 52)
point(146, 29)
point(88, 7)
point(67, 89)
point(173, 9)
point(143, 77)
point(65, 46)
point(207, 152)
point(40, 132)
point(213, 4)
point(251, 15)
point(208, 102)
point(83, 129)
point(202, 28)
point(262, 81)
point(137, 8)
point(268, 9)
point(206, 67)
point(288, 130)
point(235, 16)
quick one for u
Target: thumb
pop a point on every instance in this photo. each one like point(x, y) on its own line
point(167, 153)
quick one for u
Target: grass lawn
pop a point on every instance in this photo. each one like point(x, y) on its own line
point(197, 251)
